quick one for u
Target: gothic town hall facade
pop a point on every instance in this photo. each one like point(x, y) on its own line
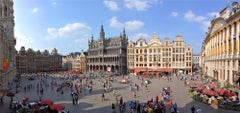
point(108, 55)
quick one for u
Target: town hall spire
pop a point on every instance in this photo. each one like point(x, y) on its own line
point(102, 33)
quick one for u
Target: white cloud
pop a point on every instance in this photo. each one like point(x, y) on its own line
point(35, 10)
point(174, 14)
point(115, 23)
point(112, 5)
point(68, 30)
point(190, 16)
point(81, 40)
point(203, 20)
point(54, 3)
point(23, 40)
point(135, 37)
point(140, 5)
point(129, 25)
point(133, 25)
point(205, 25)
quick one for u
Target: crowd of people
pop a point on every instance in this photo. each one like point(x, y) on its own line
point(64, 82)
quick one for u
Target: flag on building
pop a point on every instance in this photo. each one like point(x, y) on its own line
point(6, 63)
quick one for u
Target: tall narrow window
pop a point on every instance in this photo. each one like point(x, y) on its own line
point(230, 30)
point(234, 45)
point(235, 29)
point(141, 58)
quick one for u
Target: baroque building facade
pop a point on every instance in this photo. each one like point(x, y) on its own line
point(220, 48)
point(7, 42)
point(75, 61)
point(108, 54)
point(195, 62)
point(30, 61)
point(157, 57)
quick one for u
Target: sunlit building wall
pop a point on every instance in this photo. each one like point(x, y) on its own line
point(220, 48)
point(159, 57)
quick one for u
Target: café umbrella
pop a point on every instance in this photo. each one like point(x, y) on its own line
point(47, 102)
point(58, 107)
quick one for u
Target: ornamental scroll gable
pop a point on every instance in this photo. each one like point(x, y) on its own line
point(218, 24)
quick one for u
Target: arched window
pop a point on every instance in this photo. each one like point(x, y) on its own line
point(141, 44)
point(145, 50)
point(5, 11)
point(150, 50)
point(141, 58)
point(154, 58)
point(145, 58)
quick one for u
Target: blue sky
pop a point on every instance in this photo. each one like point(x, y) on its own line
point(68, 24)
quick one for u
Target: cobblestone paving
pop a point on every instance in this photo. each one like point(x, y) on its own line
point(92, 103)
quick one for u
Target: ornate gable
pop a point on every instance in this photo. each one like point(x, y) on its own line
point(217, 24)
point(155, 40)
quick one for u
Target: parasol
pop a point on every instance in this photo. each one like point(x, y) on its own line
point(58, 107)
point(47, 102)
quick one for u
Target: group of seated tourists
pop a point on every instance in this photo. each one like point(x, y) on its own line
point(44, 106)
point(212, 94)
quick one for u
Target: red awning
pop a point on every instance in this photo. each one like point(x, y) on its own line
point(167, 70)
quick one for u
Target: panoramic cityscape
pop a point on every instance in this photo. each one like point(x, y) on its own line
point(119, 56)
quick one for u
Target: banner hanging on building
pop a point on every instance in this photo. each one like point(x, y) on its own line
point(5, 63)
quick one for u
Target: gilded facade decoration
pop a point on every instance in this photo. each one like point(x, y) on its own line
point(158, 57)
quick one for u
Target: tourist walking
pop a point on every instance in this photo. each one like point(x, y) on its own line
point(121, 101)
point(175, 107)
point(113, 108)
point(138, 107)
point(76, 98)
point(199, 110)
point(116, 99)
point(73, 100)
point(193, 109)
point(103, 97)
